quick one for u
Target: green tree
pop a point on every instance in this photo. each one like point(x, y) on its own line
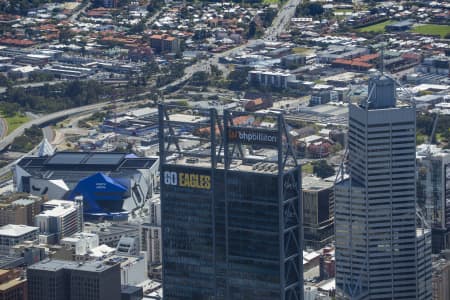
point(154, 5)
point(200, 78)
point(40, 76)
point(216, 72)
point(138, 28)
point(22, 144)
point(74, 89)
point(9, 109)
point(322, 169)
point(238, 79)
point(446, 135)
point(65, 34)
point(312, 9)
point(268, 16)
point(26, 142)
point(251, 32)
point(3, 80)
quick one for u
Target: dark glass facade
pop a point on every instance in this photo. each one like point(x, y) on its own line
point(231, 234)
point(188, 236)
point(318, 217)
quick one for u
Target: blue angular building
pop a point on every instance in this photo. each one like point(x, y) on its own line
point(111, 184)
point(100, 193)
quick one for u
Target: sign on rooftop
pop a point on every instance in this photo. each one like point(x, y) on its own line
point(252, 136)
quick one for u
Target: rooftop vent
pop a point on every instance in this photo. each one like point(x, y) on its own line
point(192, 160)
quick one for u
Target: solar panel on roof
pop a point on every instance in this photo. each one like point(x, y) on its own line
point(104, 159)
point(137, 163)
point(67, 158)
point(36, 162)
point(24, 161)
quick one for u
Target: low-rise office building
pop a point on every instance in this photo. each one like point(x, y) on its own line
point(163, 43)
point(20, 211)
point(60, 219)
point(13, 285)
point(110, 233)
point(441, 277)
point(271, 79)
point(318, 212)
point(66, 280)
point(11, 235)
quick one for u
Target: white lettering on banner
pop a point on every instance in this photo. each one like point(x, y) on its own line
point(257, 137)
point(251, 136)
point(170, 178)
point(100, 185)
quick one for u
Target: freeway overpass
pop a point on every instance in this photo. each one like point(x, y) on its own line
point(5, 142)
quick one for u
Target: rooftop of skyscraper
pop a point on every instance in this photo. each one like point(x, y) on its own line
point(382, 93)
point(316, 183)
point(264, 167)
point(254, 141)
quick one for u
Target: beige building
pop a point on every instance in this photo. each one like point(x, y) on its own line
point(164, 43)
point(20, 211)
point(13, 286)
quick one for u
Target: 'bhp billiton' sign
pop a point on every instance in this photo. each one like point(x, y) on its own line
point(252, 136)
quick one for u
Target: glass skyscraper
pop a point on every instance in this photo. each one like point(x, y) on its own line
point(380, 251)
point(231, 228)
point(433, 194)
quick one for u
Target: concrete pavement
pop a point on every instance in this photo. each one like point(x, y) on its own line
point(281, 21)
point(48, 133)
point(3, 128)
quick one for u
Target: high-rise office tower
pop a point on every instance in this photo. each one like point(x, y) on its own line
point(318, 212)
point(433, 193)
point(230, 208)
point(380, 251)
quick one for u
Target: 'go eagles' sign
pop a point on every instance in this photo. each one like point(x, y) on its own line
point(252, 136)
point(187, 180)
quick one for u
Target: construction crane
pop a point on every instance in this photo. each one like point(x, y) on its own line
point(433, 130)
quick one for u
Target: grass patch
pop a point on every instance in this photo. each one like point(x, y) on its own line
point(432, 29)
point(421, 138)
point(379, 27)
point(15, 121)
point(301, 50)
point(6, 176)
point(271, 2)
point(307, 168)
point(343, 10)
